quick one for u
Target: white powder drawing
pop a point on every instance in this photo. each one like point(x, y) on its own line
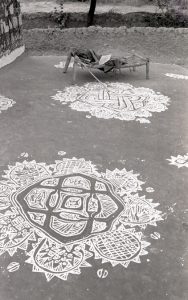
point(61, 153)
point(177, 76)
point(155, 235)
point(150, 189)
point(13, 267)
point(61, 65)
point(5, 103)
point(114, 100)
point(102, 273)
point(24, 154)
point(179, 161)
point(67, 212)
point(143, 120)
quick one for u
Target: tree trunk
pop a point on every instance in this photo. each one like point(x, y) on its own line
point(91, 13)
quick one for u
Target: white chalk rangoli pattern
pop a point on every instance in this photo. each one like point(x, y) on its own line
point(65, 213)
point(179, 161)
point(114, 100)
point(13, 267)
point(102, 273)
point(150, 189)
point(176, 76)
point(5, 103)
point(61, 65)
point(61, 153)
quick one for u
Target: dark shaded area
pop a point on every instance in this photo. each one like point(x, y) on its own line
point(110, 19)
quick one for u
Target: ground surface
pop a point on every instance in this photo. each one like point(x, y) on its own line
point(160, 48)
point(123, 7)
point(46, 6)
point(41, 127)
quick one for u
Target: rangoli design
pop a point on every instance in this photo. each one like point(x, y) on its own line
point(13, 267)
point(114, 100)
point(102, 273)
point(5, 103)
point(67, 214)
point(61, 65)
point(179, 161)
point(177, 76)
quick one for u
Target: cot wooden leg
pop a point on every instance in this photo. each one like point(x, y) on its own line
point(147, 70)
point(67, 62)
point(117, 66)
point(115, 71)
point(74, 72)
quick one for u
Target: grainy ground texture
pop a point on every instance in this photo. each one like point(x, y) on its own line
point(37, 127)
point(93, 175)
point(46, 6)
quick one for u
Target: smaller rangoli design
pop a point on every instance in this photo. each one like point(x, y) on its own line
point(179, 161)
point(67, 214)
point(61, 65)
point(5, 103)
point(177, 76)
point(114, 100)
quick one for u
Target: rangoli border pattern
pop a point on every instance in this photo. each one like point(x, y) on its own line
point(114, 100)
point(67, 214)
point(179, 161)
point(5, 103)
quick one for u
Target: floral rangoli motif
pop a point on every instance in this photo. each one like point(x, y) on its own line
point(179, 161)
point(67, 214)
point(114, 100)
point(5, 103)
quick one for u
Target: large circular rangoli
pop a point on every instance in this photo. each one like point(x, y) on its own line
point(114, 100)
point(63, 214)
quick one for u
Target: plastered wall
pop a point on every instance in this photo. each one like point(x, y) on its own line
point(11, 38)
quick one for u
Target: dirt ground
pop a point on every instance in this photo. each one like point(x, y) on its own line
point(34, 6)
point(38, 125)
point(159, 48)
point(72, 6)
point(47, 6)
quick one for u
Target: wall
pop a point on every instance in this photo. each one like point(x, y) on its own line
point(11, 37)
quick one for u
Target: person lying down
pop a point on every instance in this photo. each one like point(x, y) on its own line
point(90, 58)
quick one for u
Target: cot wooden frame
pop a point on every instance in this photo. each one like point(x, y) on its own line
point(133, 61)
